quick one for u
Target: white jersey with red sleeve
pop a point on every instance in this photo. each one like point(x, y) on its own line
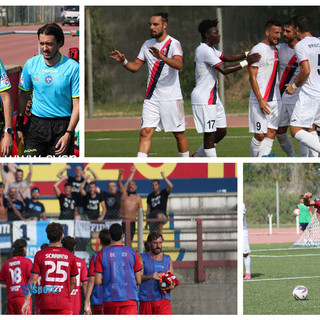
point(56, 266)
point(16, 272)
point(308, 49)
point(163, 80)
point(267, 76)
point(206, 90)
point(288, 71)
point(76, 292)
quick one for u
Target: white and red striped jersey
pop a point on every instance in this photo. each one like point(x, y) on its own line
point(163, 81)
point(267, 77)
point(289, 69)
point(206, 90)
point(308, 49)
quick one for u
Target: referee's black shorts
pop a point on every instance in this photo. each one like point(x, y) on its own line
point(44, 133)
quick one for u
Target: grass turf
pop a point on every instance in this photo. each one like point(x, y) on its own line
point(125, 144)
point(276, 270)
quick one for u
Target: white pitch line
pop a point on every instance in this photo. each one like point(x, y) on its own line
point(284, 249)
point(278, 279)
point(285, 256)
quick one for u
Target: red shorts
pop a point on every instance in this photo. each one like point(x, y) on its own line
point(55, 311)
point(97, 308)
point(15, 305)
point(162, 306)
point(121, 307)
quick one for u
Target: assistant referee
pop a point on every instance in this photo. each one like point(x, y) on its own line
point(55, 103)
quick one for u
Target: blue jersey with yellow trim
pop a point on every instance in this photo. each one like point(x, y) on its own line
point(54, 87)
point(4, 80)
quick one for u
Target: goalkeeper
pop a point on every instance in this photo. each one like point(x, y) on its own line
point(157, 280)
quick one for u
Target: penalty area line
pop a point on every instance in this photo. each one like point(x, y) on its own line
point(285, 256)
point(279, 279)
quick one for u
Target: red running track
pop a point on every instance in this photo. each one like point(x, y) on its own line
point(124, 124)
point(16, 49)
point(278, 235)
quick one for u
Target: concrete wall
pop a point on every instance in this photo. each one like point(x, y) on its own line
point(217, 295)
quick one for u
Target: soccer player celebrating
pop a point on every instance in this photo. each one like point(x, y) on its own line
point(265, 99)
point(96, 290)
point(208, 112)
point(118, 269)
point(57, 267)
point(6, 104)
point(246, 247)
point(154, 262)
point(55, 101)
point(163, 104)
point(14, 273)
point(306, 111)
point(70, 244)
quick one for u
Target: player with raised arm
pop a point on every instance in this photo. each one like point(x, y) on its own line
point(6, 105)
point(208, 112)
point(57, 267)
point(155, 264)
point(20, 182)
point(55, 102)
point(14, 273)
point(70, 243)
point(307, 108)
point(246, 247)
point(130, 201)
point(163, 105)
point(118, 269)
point(265, 99)
point(96, 291)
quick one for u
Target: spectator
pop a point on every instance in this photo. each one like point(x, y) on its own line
point(21, 183)
point(112, 201)
point(16, 211)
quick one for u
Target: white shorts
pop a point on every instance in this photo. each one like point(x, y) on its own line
point(246, 247)
point(168, 115)
point(259, 122)
point(286, 113)
point(205, 117)
point(221, 115)
point(306, 112)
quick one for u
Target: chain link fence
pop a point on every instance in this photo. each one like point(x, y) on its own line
point(25, 15)
point(126, 29)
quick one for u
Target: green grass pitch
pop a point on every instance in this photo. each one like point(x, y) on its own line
point(125, 144)
point(276, 270)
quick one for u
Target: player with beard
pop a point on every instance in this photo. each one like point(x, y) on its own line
point(34, 208)
point(265, 99)
point(307, 109)
point(130, 202)
point(55, 102)
point(14, 273)
point(163, 104)
point(57, 267)
point(154, 262)
point(288, 71)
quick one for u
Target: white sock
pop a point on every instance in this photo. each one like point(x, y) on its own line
point(200, 152)
point(254, 147)
point(142, 154)
point(184, 154)
point(247, 263)
point(286, 144)
point(313, 153)
point(265, 147)
point(210, 152)
point(304, 150)
point(308, 139)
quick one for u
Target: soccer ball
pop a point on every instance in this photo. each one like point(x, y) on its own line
point(296, 212)
point(300, 292)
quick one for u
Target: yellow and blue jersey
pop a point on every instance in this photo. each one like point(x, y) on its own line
point(54, 86)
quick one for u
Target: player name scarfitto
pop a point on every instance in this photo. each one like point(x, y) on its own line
point(32, 289)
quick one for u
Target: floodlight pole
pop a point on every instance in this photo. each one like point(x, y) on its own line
point(89, 63)
point(278, 214)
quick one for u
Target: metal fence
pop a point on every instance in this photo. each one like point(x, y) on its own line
point(24, 15)
point(126, 29)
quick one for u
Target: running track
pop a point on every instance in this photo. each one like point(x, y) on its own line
point(278, 235)
point(125, 124)
point(16, 49)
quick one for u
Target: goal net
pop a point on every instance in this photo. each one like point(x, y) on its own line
point(311, 236)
